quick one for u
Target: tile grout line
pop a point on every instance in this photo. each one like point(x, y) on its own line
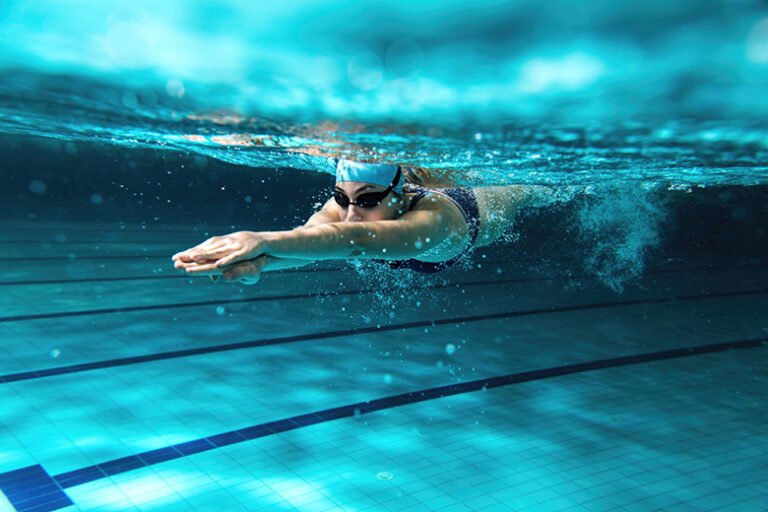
point(45, 493)
point(111, 363)
point(341, 269)
point(128, 309)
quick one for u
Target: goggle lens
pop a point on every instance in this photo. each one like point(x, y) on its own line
point(370, 200)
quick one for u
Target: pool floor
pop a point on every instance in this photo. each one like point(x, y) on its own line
point(126, 386)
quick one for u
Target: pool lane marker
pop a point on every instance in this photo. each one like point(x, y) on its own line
point(304, 270)
point(131, 309)
point(169, 275)
point(32, 489)
point(155, 307)
point(125, 361)
point(139, 257)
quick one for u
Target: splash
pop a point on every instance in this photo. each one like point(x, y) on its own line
point(618, 226)
point(396, 288)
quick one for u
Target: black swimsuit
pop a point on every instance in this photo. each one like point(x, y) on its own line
point(467, 203)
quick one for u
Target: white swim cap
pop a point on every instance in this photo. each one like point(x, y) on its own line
point(376, 174)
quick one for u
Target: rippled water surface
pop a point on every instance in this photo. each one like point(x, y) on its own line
point(501, 92)
point(607, 352)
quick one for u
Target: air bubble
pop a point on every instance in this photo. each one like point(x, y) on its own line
point(37, 187)
point(175, 89)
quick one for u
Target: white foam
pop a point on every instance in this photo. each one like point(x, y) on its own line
point(618, 226)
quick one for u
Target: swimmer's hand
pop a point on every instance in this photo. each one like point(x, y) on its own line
point(244, 272)
point(220, 251)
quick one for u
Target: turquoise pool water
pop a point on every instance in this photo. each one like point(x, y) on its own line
point(609, 354)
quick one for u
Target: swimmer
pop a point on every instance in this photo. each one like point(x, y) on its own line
point(378, 211)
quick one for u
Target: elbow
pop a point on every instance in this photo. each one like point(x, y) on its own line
point(361, 243)
point(348, 240)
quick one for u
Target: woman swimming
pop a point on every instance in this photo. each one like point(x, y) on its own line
point(378, 211)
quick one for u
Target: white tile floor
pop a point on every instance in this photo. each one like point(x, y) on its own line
point(681, 434)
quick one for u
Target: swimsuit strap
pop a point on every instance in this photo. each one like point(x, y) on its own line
point(467, 203)
point(421, 193)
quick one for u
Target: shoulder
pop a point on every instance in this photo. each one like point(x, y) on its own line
point(435, 206)
point(327, 214)
point(427, 199)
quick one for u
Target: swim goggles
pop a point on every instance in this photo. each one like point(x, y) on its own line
point(369, 200)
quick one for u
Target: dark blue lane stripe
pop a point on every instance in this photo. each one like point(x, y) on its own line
point(305, 270)
point(32, 489)
point(143, 278)
point(135, 229)
point(96, 243)
point(91, 258)
point(110, 363)
point(38, 487)
point(92, 280)
point(155, 307)
point(183, 276)
point(130, 309)
point(66, 258)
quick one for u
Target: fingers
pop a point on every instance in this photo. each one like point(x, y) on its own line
point(206, 267)
point(203, 268)
point(246, 272)
point(215, 254)
point(185, 256)
point(201, 251)
point(184, 265)
point(193, 258)
point(232, 258)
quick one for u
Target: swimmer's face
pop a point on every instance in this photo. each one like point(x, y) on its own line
point(388, 209)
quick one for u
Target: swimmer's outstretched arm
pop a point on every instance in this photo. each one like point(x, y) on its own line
point(247, 272)
point(191, 259)
point(403, 238)
point(410, 235)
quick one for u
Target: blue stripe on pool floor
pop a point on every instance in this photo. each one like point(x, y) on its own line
point(31, 489)
point(137, 278)
point(127, 309)
point(111, 363)
point(341, 269)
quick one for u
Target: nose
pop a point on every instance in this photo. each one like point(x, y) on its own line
point(353, 214)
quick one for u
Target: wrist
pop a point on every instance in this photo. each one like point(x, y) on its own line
point(272, 241)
